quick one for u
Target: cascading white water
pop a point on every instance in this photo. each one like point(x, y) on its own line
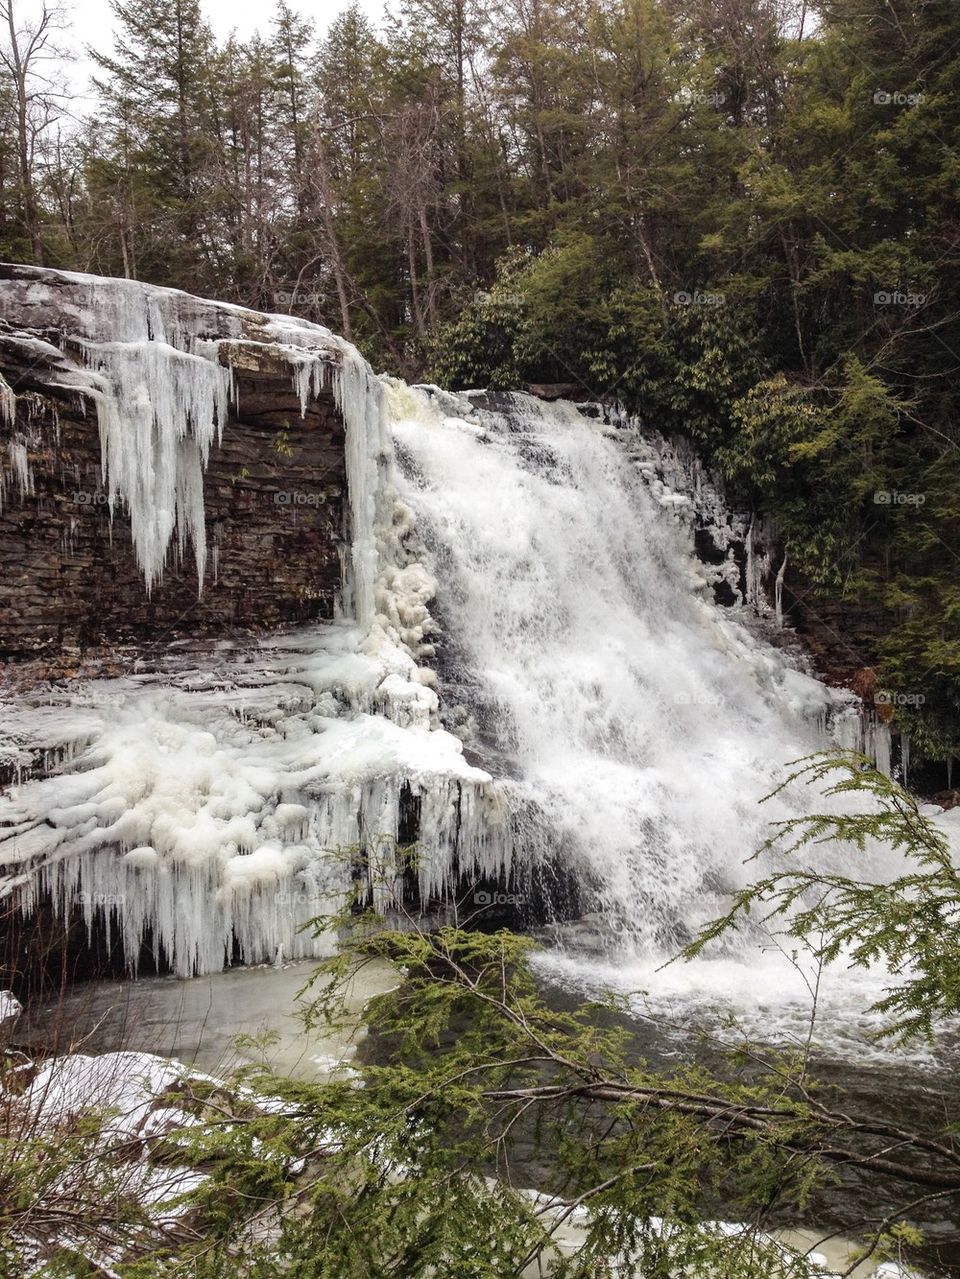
point(639, 722)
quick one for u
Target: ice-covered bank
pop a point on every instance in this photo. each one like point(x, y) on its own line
point(520, 579)
point(214, 804)
point(224, 808)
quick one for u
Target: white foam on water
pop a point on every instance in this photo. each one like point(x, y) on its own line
point(762, 996)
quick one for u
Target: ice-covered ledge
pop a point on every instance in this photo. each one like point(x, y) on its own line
point(208, 802)
point(152, 442)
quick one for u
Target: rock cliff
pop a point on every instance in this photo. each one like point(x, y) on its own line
point(274, 508)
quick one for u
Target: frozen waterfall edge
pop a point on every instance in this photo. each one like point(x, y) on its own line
point(205, 862)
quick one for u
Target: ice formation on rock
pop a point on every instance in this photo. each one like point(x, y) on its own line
point(228, 805)
point(10, 1007)
point(217, 810)
point(20, 465)
point(8, 402)
point(158, 363)
point(627, 727)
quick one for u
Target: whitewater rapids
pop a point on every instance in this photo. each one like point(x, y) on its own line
point(638, 724)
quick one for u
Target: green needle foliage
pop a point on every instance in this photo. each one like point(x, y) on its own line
point(410, 1165)
point(910, 923)
point(489, 1135)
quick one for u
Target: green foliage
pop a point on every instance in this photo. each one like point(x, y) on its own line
point(910, 922)
point(479, 349)
point(401, 1161)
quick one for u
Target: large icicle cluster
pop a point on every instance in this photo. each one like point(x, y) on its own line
point(225, 806)
point(159, 416)
point(237, 801)
point(158, 365)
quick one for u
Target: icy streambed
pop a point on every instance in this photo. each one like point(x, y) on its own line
point(123, 1033)
point(213, 1023)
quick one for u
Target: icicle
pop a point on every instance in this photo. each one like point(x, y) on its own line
point(360, 399)
point(8, 403)
point(778, 591)
point(162, 386)
point(878, 745)
point(20, 466)
point(750, 584)
point(166, 409)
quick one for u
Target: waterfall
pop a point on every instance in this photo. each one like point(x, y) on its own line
point(639, 721)
point(531, 679)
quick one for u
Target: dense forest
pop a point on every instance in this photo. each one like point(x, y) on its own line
point(739, 218)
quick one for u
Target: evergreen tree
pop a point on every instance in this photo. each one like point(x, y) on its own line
point(158, 93)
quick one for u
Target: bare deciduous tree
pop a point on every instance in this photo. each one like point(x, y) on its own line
point(29, 57)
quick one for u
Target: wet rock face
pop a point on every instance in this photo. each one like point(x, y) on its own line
point(274, 496)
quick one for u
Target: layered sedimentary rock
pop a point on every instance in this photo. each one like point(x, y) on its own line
point(167, 466)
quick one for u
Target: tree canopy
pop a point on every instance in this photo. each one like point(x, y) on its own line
point(739, 219)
